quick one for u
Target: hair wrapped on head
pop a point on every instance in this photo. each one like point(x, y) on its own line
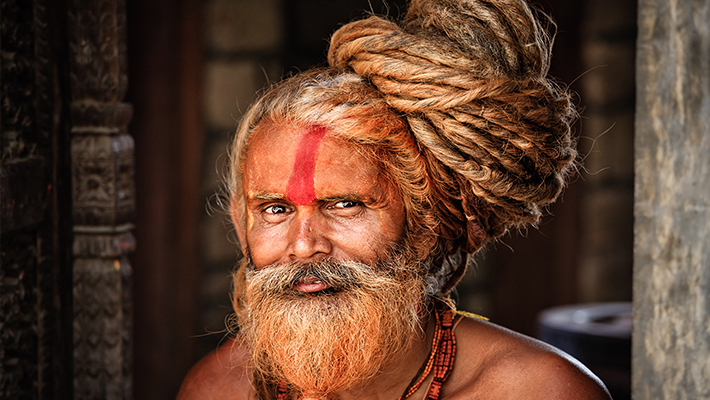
point(456, 106)
point(470, 78)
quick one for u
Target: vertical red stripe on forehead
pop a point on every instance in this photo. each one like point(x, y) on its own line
point(301, 189)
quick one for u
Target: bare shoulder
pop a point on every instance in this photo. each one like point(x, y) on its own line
point(496, 363)
point(222, 374)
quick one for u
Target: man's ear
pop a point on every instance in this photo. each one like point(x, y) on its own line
point(236, 212)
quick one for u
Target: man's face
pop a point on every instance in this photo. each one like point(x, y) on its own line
point(310, 196)
point(330, 294)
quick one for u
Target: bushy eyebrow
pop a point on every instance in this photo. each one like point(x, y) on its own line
point(257, 195)
point(346, 197)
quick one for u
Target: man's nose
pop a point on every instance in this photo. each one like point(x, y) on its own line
point(307, 237)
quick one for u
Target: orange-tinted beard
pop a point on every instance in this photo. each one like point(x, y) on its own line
point(330, 341)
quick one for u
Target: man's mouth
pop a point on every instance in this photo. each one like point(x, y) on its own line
point(310, 284)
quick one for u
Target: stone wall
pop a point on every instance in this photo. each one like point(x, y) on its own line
point(671, 347)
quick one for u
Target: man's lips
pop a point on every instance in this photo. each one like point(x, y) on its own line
point(310, 284)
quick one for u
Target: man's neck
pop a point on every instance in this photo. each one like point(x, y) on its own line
point(391, 383)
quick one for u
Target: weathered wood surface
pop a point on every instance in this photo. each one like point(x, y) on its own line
point(671, 351)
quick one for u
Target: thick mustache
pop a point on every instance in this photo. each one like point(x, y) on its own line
point(338, 275)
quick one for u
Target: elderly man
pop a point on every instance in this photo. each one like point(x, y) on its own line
point(358, 191)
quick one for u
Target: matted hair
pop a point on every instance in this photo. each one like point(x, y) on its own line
point(454, 103)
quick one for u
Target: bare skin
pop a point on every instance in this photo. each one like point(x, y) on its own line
point(491, 363)
point(350, 211)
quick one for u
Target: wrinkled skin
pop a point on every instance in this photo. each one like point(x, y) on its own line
point(354, 213)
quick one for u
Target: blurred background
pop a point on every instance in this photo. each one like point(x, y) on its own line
point(195, 65)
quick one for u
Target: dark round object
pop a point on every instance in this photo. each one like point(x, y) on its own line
point(598, 335)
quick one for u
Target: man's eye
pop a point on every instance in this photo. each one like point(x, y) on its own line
point(346, 208)
point(275, 209)
point(346, 204)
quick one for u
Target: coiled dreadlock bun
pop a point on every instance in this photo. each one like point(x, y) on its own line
point(470, 78)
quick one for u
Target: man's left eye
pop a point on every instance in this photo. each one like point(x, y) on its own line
point(345, 208)
point(346, 204)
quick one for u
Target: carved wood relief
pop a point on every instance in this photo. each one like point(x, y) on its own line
point(103, 199)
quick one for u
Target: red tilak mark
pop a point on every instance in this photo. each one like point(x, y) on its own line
point(301, 189)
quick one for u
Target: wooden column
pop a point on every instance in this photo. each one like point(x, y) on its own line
point(103, 200)
point(671, 349)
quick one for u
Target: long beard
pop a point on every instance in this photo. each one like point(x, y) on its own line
point(335, 339)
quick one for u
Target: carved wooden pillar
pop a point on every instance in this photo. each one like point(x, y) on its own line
point(103, 199)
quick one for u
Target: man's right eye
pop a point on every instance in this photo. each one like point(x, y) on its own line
point(275, 209)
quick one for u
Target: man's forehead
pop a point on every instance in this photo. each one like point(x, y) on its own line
point(293, 162)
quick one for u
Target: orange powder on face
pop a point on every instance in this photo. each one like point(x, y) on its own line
point(301, 185)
